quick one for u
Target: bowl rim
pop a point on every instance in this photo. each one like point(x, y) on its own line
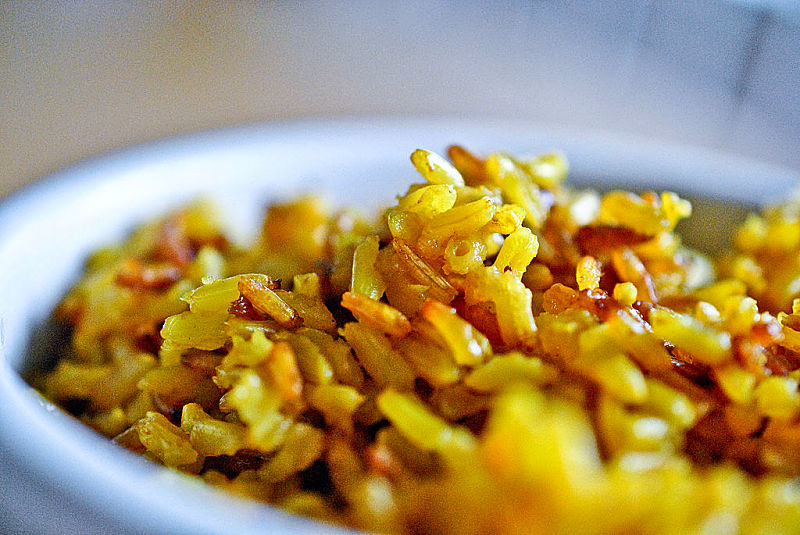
point(140, 496)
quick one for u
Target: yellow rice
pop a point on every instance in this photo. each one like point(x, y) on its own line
point(498, 353)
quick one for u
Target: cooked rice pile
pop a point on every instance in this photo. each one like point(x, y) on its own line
point(498, 354)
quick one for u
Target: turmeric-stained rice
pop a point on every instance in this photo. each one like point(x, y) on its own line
point(498, 353)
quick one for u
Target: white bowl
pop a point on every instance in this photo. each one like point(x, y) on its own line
point(57, 476)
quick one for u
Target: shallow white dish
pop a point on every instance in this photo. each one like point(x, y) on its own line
point(56, 476)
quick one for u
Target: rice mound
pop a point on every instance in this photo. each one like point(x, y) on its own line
point(498, 353)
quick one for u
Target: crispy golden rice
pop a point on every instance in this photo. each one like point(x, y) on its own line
point(498, 353)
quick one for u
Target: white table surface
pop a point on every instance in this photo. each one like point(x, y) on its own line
point(82, 78)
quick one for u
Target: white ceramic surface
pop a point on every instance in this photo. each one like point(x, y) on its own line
point(57, 476)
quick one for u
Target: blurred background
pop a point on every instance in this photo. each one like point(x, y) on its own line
point(79, 78)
